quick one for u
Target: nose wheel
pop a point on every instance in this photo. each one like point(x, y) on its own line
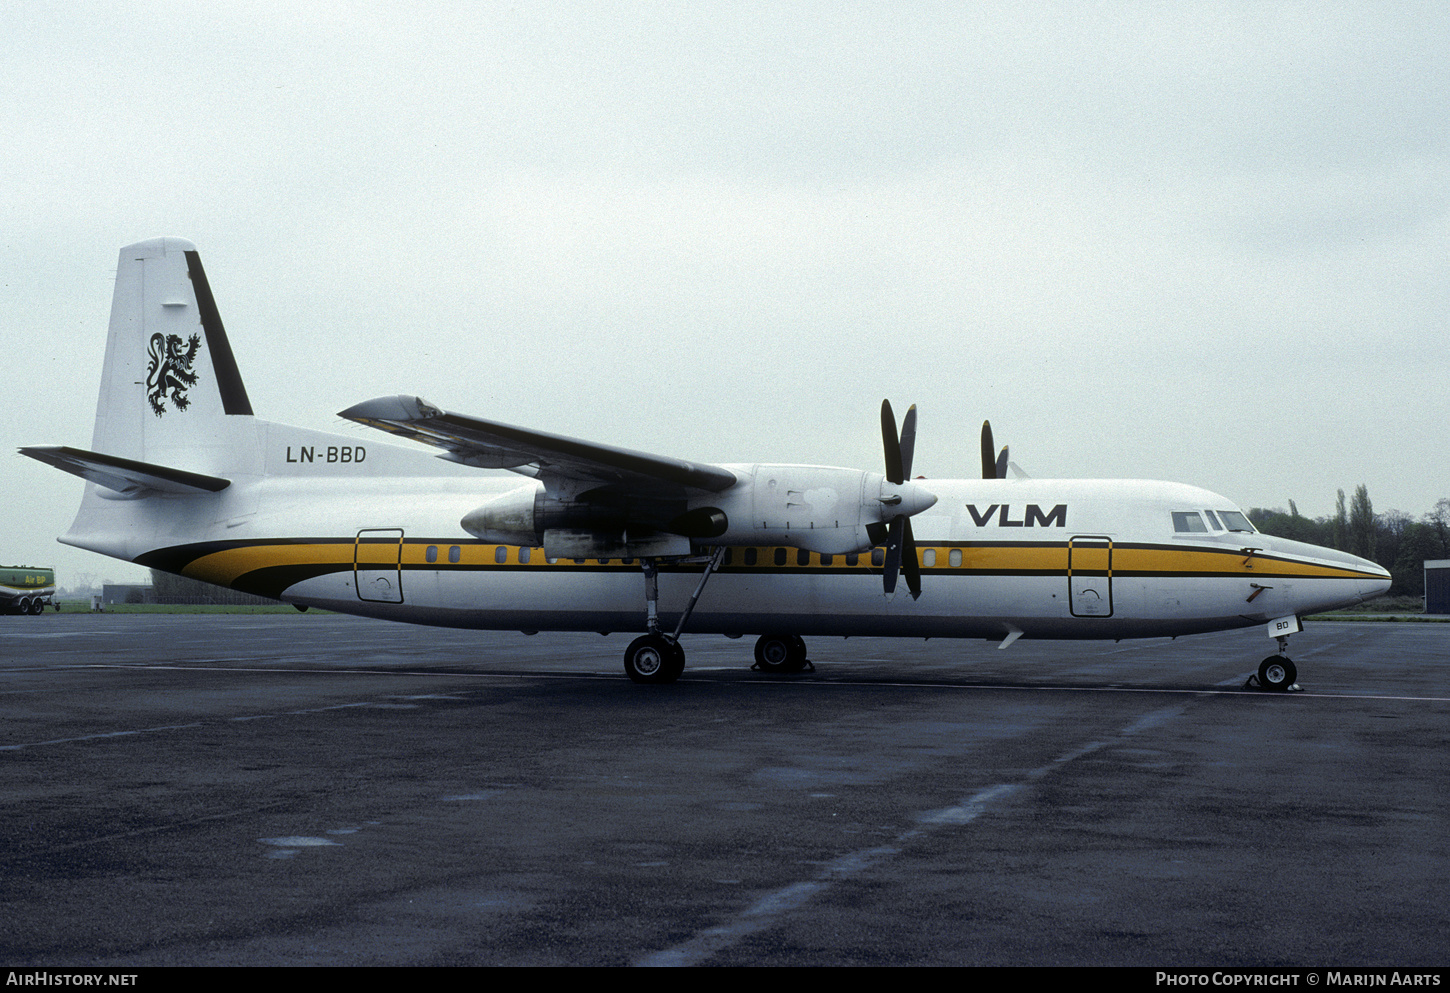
point(1277, 674)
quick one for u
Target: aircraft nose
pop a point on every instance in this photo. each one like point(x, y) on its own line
point(1377, 583)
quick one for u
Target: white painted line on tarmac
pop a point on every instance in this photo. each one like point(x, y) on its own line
point(96, 737)
point(769, 909)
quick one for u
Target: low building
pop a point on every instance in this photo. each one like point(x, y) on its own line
point(113, 593)
point(1437, 586)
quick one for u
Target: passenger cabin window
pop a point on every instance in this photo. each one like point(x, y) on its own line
point(454, 554)
point(1188, 521)
point(1235, 521)
point(432, 554)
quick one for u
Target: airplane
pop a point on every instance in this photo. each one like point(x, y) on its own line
point(576, 536)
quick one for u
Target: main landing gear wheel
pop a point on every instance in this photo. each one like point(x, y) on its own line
point(1277, 674)
point(780, 653)
point(655, 659)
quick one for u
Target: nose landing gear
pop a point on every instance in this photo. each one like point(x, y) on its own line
point(1276, 673)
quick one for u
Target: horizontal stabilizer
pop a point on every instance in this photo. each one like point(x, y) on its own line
point(125, 475)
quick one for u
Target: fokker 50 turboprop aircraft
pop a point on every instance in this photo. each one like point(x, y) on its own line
point(181, 476)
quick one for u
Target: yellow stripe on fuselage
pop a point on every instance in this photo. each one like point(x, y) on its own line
point(226, 566)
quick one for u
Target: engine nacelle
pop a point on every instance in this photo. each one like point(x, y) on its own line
point(509, 518)
point(819, 508)
point(528, 515)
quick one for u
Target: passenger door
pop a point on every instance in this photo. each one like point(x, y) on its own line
point(377, 565)
point(1090, 575)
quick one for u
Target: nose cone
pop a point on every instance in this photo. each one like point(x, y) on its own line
point(905, 498)
point(1375, 583)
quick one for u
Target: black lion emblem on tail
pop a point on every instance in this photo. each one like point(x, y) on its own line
point(170, 371)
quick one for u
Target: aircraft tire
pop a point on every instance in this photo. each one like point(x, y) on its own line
point(780, 653)
point(653, 659)
point(797, 660)
point(1277, 674)
point(677, 660)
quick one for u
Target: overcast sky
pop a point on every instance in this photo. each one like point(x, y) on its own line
point(1205, 242)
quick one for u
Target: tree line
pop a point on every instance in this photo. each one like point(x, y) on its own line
point(1393, 539)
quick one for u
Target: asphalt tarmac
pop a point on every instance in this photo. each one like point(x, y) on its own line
point(315, 789)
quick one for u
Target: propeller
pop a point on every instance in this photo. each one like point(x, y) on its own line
point(900, 544)
point(992, 468)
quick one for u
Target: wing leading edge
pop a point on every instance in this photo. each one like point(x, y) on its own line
point(492, 445)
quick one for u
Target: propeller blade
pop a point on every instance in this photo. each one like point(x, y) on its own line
point(1002, 464)
point(892, 565)
point(900, 544)
point(989, 461)
point(891, 443)
point(908, 442)
point(909, 561)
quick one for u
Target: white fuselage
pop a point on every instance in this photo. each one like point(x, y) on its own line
point(369, 528)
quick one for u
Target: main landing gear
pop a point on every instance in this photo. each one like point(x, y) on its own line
point(1276, 673)
point(654, 658)
point(781, 653)
point(657, 657)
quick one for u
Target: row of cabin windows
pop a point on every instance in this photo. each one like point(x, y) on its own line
point(1192, 522)
point(751, 556)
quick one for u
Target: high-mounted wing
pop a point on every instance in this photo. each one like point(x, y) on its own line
point(489, 444)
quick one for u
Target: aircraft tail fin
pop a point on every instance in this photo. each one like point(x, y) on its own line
point(170, 382)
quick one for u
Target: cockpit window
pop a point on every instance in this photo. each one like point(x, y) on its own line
point(1213, 521)
point(1235, 521)
point(1188, 520)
